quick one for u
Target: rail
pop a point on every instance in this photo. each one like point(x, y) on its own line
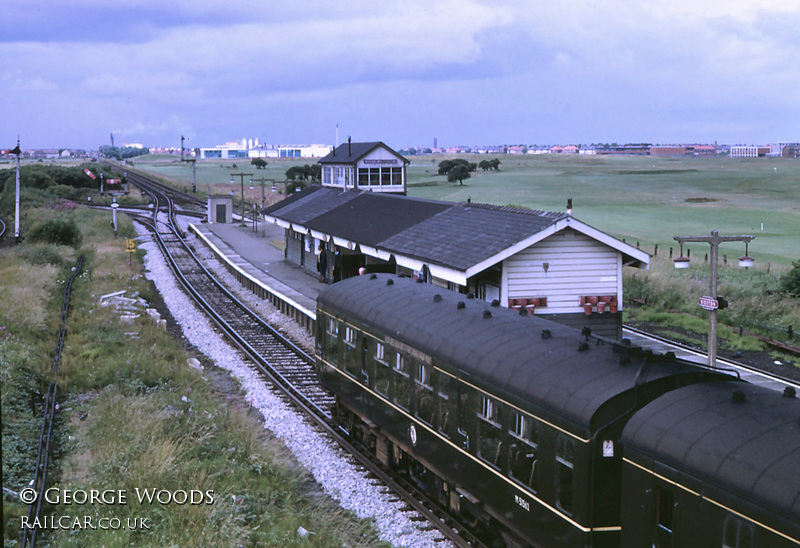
point(39, 482)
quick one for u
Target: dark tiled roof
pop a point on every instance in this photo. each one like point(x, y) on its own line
point(466, 234)
point(313, 201)
point(370, 218)
point(454, 235)
point(350, 153)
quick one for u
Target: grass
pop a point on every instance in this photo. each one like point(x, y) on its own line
point(645, 200)
point(134, 415)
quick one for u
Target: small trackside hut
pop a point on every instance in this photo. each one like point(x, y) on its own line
point(511, 420)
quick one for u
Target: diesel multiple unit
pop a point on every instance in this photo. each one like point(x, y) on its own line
point(538, 434)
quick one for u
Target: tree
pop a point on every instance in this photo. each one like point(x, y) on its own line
point(296, 173)
point(260, 163)
point(458, 173)
point(445, 166)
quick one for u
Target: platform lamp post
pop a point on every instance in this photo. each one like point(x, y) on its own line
point(241, 179)
point(711, 303)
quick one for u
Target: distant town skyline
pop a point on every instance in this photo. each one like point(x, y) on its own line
point(466, 72)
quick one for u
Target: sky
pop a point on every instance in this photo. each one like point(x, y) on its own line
point(405, 72)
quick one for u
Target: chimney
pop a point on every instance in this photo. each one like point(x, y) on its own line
point(349, 152)
point(569, 206)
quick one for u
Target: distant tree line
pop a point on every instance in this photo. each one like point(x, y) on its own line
point(122, 153)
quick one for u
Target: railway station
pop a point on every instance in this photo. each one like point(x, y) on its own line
point(257, 260)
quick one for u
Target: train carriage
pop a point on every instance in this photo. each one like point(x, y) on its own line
point(714, 465)
point(511, 421)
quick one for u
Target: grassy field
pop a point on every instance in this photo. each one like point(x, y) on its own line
point(645, 200)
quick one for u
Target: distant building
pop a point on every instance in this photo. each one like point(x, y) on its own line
point(250, 148)
point(369, 166)
point(749, 151)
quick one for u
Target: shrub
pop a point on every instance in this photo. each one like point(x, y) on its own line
point(56, 231)
point(790, 281)
point(44, 254)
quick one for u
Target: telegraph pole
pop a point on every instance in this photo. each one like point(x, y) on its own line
point(241, 178)
point(714, 240)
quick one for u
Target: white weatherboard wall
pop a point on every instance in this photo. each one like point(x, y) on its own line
point(577, 266)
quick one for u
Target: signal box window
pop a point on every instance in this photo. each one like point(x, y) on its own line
point(524, 446)
point(565, 458)
point(737, 533)
point(490, 435)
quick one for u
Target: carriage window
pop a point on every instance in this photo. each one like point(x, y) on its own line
point(425, 405)
point(490, 435)
point(524, 445)
point(565, 458)
point(332, 341)
point(442, 401)
point(663, 530)
point(379, 352)
point(351, 359)
point(383, 374)
point(402, 383)
point(737, 533)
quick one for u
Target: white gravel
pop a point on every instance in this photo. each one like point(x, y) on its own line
point(330, 466)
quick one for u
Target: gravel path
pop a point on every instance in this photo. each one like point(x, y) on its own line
point(330, 466)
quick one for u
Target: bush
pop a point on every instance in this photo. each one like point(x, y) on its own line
point(790, 281)
point(44, 254)
point(56, 231)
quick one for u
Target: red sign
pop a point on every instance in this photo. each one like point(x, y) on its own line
point(709, 303)
point(89, 173)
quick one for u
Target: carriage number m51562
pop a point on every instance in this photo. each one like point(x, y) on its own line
point(522, 502)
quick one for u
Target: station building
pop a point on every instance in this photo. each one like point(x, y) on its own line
point(550, 263)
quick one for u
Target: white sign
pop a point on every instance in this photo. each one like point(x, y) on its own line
point(608, 448)
point(709, 303)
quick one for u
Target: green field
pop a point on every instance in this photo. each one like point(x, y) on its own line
point(645, 200)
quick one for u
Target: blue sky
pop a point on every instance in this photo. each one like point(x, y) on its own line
point(468, 72)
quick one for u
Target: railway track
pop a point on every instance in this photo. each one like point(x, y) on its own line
point(282, 363)
point(38, 484)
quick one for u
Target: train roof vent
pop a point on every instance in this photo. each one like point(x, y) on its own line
point(373, 276)
point(461, 304)
point(390, 282)
point(738, 397)
point(420, 281)
point(470, 295)
point(487, 314)
point(789, 392)
point(437, 298)
point(546, 333)
point(523, 311)
point(583, 346)
point(495, 302)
